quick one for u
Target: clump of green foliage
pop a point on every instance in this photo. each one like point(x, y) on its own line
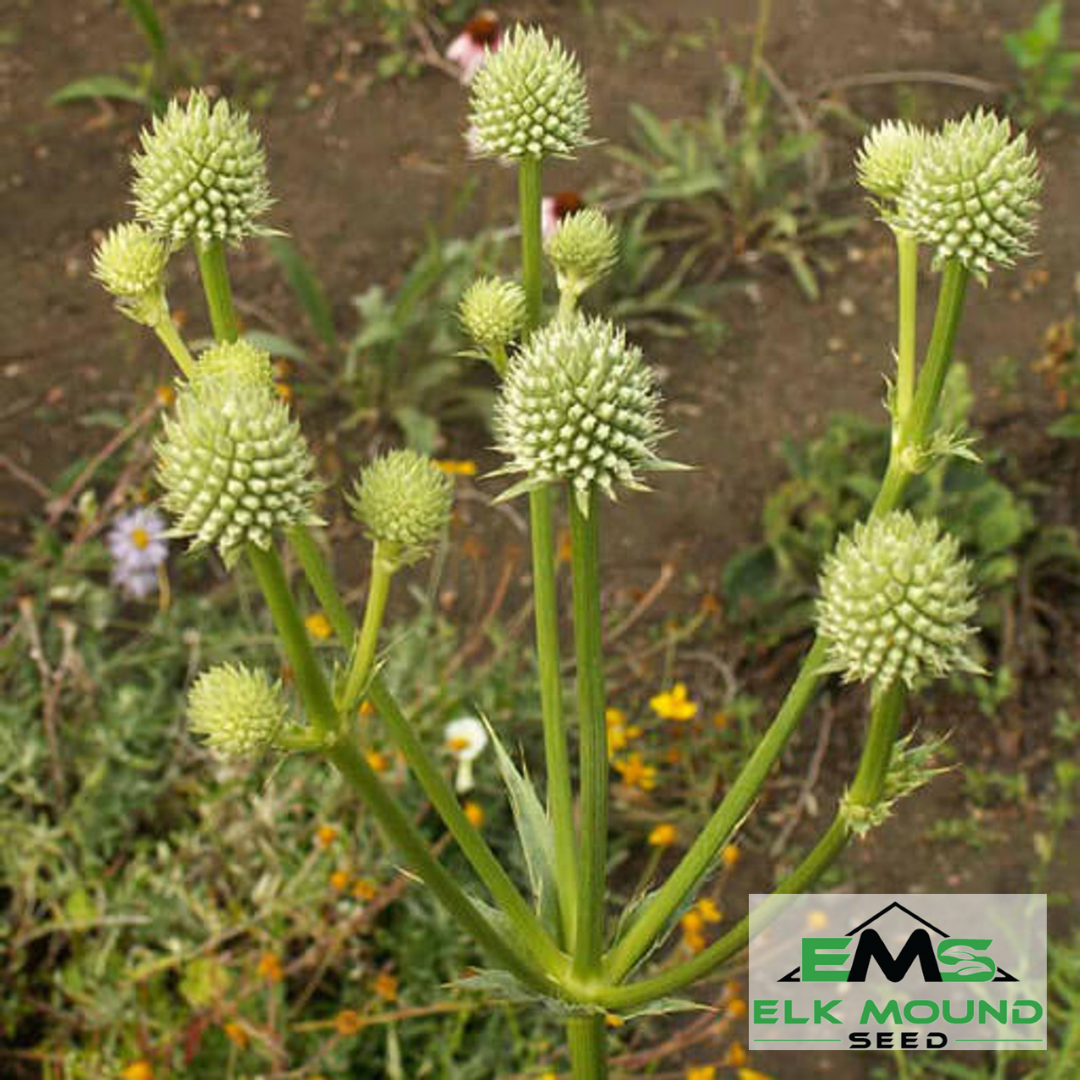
point(1045, 68)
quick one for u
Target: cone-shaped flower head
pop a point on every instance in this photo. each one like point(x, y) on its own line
point(885, 162)
point(492, 312)
point(973, 193)
point(579, 404)
point(233, 463)
point(583, 249)
point(130, 263)
point(403, 500)
point(236, 710)
point(233, 363)
point(529, 100)
point(201, 175)
point(895, 602)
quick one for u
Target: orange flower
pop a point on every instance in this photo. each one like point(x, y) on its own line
point(318, 626)
point(165, 396)
point(348, 1022)
point(613, 1021)
point(138, 1070)
point(283, 391)
point(269, 968)
point(386, 986)
point(475, 813)
point(737, 1008)
point(708, 910)
point(635, 773)
point(378, 761)
point(365, 889)
point(339, 880)
point(701, 1072)
point(736, 1055)
point(236, 1034)
point(693, 930)
point(619, 733)
point(730, 855)
point(664, 835)
point(456, 468)
point(674, 704)
point(752, 1074)
point(325, 835)
point(366, 708)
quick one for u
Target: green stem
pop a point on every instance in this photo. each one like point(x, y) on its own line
point(866, 790)
point(363, 655)
point(907, 259)
point(170, 337)
point(588, 1047)
point(592, 735)
point(530, 195)
point(319, 705)
point(321, 581)
point(352, 765)
point(219, 298)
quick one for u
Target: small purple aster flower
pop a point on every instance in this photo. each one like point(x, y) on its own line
point(138, 547)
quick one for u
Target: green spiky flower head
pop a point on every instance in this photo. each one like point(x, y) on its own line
point(885, 162)
point(529, 100)
point(403, 500)
point(201, 174)
point(492, 311)
point(973, 194)
point(236, 710)
point(579, 405)
point(234, 465)
point(896, 600)
point(235, 364)
point(130, 264)
point(583, 249)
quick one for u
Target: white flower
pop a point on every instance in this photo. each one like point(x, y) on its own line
point(466, 739)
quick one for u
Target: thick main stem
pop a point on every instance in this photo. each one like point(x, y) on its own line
point(216, 285)
point(587, 1036)
point(866, 791)
point(592, 735)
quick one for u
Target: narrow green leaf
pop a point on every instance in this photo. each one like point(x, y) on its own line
point(110, 87)
point(146, 18)
point(306, 288)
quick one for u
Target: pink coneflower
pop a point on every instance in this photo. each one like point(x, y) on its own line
point(555, 207)
point(471, 47)
point(138, 547)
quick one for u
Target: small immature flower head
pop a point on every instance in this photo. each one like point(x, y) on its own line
point(471, 48)
point(896, 600)
point(973, 193)
point(554, 209)
point(583, 249)
point(529, 100)
point(403, 500)
point(138, 546)
point(579, 405)
point(493, 312)
point(886, 159)
point(201, 174)
point(237, 711)
point(130, 264)
point(237, 364)
point(233, 463)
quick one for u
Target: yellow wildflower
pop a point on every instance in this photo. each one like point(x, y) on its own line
point(664, 835)
point(283, 391)
point(692, 925)
point(138, 1070)
point(635, 773)
point(475, 813)
point(366, 708)
point(379, 762)
point(236, 1034)
point(613, 1021)
point(318, 625)
point(325, 835)
point(752, 1074)
point(365, 889)
point(708, 910)
point(165, 396)
point(674, 704)
point(386, 986)
point(456, 468)
point(736, 1055)
point(701, 1072)
point(348, 1022)
point(269, 968)
point(730, 855)
point(339, 880)
point(619, 733)
point(737, 1008)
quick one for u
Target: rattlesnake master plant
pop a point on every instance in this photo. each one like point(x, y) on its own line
point(130, 263)
point(578, 413)
point(403, 500)
point(579, 405)
point(238, 711)
point(896, 603)
point(973, 193)
point(201, 175)
point(529, 100)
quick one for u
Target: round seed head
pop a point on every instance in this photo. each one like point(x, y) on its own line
point(403, 500)
point(130, 264)
point(896, 600)
point(973, 194)
point(492, 312)
point(583, 249)
point(201, 174)
point(529, 100)
point(233, 363)
point(579, 404)
point(234, 466)
point(885, 161)
point(236, 710)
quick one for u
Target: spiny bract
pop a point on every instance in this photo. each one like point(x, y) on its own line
point(201, 175)
point(130, 264)
point(403, 500)
point(886, 159)
point(234, 466)
point(529, 100)
point(237, 711)
point(492, 312)
point(583, 249)
point(895, 602)
point(579, 404)
point(973, 194)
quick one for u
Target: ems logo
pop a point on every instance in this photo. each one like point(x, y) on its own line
point(966, 972)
